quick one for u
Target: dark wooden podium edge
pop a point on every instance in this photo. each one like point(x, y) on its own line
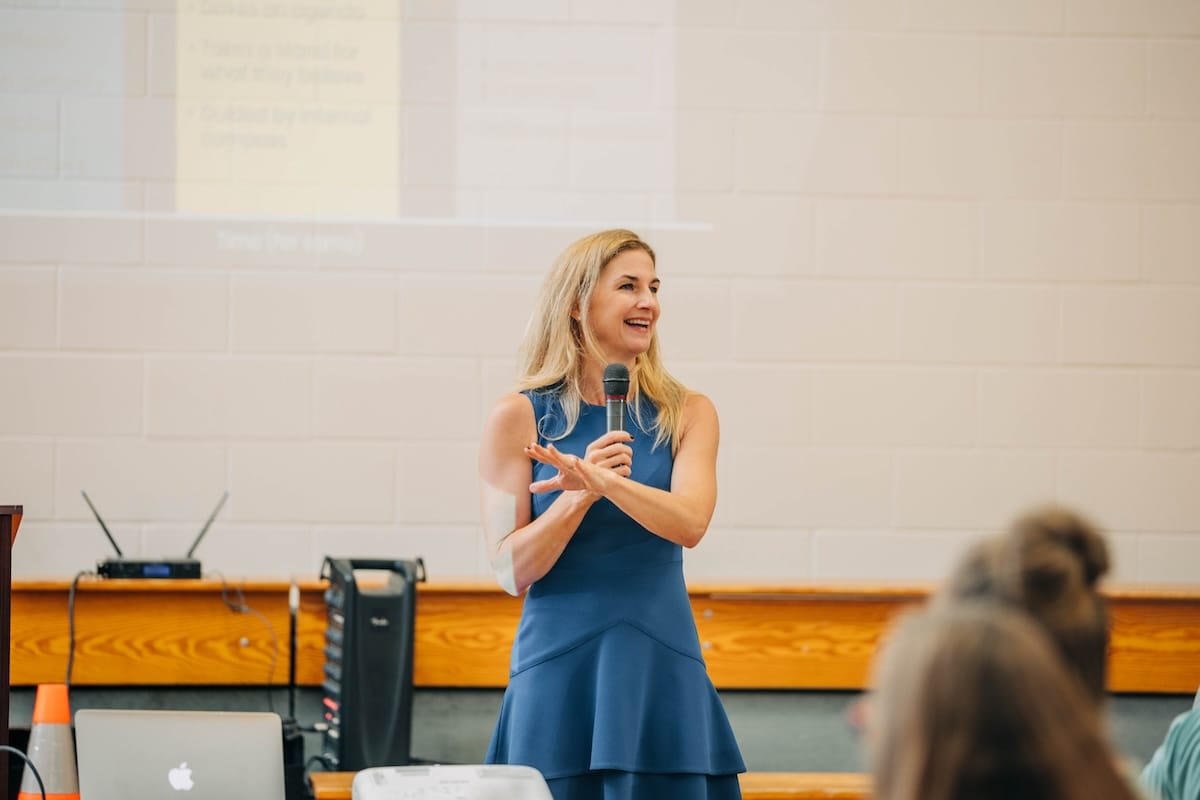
point(10, 520)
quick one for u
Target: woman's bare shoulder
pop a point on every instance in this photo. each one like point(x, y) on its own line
point(511, 414)
point(512, 407)
point(699, 414)
point(697, 405)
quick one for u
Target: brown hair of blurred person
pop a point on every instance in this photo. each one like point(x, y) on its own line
point(1048, 563)
point(972, 703)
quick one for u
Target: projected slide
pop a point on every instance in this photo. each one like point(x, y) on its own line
point(342, 110)
point(288, 107)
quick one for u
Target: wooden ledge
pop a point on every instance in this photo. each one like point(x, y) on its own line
point(820, 635)
point(755, 785)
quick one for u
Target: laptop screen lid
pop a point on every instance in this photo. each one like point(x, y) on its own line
point(179, 755)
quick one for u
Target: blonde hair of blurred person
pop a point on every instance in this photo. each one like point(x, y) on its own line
point(559, 339)
point(972, 703)
point(1049, 564)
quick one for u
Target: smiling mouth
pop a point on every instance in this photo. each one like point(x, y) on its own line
point(640, 324)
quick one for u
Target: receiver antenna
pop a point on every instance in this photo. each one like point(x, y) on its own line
point(103, 527)
point(211, 517)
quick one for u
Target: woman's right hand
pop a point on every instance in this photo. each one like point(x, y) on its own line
point(612, 451)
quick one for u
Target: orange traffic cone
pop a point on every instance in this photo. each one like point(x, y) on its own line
point(51, 747)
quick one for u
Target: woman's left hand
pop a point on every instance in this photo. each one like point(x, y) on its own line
point(574, 473)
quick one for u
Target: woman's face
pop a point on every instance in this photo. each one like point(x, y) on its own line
point(623, 309)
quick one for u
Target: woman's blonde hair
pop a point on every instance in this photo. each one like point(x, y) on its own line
point(551, 355)
point(972, 703)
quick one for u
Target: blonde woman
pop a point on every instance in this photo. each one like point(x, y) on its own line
point(608, 694)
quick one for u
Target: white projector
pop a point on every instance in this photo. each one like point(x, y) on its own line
point(469, 782)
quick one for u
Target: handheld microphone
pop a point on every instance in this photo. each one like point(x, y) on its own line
point(616, 387)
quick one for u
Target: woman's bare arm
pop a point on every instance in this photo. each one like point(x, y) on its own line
point(521, 549)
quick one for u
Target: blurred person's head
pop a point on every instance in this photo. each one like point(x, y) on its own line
point(972, 703)
point(1048, 564)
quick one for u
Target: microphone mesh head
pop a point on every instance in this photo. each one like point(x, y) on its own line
point(616, 380)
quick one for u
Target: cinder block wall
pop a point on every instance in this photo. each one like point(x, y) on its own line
point(935, 261)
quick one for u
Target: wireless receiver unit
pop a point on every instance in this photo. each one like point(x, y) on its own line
point(122, 567)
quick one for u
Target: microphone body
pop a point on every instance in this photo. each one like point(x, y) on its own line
point(614, 413)
point(616, 389)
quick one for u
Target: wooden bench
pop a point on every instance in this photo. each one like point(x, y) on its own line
point(754, 636)
point(755, 785)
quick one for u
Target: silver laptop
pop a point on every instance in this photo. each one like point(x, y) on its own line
point(179, 755)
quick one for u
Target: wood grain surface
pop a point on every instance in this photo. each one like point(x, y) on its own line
point(809, 636)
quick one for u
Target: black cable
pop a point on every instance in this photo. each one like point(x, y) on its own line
point(239, 606)
point(293, 613)
point(41, 786)
point(71, 625)
point(325, 762)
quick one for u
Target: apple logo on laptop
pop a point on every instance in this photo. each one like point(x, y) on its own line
point(180, 778)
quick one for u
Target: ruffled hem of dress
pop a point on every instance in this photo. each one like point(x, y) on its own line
point(620, 701)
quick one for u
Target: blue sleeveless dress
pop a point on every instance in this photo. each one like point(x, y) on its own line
point(608, 694)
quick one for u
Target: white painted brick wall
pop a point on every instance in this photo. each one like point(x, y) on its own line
point(935, 262)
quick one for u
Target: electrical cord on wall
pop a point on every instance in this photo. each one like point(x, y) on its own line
point(71, 625)
point(29, 763)
point(235, 600)
point(232, 597)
